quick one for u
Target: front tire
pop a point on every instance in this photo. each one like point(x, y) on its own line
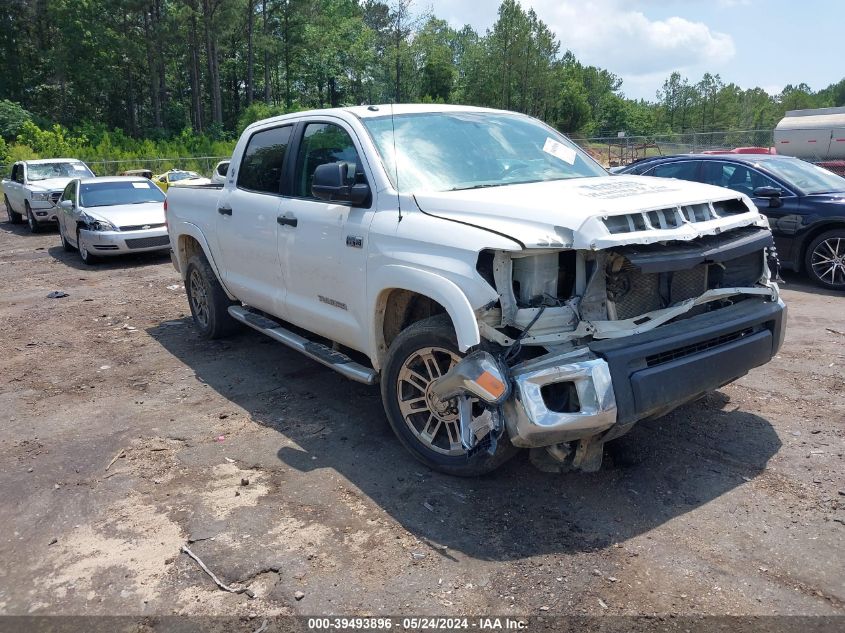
point(84, 254)
point(34, 227)
point(428, 428)
point(825, 260)
point(14, 216)
point(207, 299)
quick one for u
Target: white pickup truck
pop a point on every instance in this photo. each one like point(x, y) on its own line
point(35, 186)
point(503, 289)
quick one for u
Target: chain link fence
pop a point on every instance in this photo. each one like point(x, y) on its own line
point(613, 151)
point(200, 164)
point(609, 151)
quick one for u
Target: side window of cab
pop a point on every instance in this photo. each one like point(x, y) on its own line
point(68, 193)
point(324, 143)
point(263, 160)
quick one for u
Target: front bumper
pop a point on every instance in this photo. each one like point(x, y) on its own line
point(620, 381)
point(44, 210)
point(103, 243)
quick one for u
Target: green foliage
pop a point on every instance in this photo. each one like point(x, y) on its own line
point(55, 142)
point(12, 118)
point(258, 111)
point(15, 152)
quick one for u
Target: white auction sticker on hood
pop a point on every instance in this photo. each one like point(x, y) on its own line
point(559, 150)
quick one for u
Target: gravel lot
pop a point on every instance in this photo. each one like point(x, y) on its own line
point(288, 479)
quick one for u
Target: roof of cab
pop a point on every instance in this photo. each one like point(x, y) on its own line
point(386, 109)
point(41, 161)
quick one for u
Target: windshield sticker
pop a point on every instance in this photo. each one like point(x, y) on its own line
point(141, 185)
point(559, 150)
point(80, 168)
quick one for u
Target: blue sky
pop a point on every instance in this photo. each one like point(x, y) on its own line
point(765, 43)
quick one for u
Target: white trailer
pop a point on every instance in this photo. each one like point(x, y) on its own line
point(814, 135)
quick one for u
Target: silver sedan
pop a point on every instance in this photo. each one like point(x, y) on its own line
point(112, 216)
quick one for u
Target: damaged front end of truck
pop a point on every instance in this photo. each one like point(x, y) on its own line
point(622, 319)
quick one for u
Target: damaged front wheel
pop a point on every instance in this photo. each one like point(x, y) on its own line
point(428, 427)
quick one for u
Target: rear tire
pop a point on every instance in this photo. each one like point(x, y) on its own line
point(14, 216)
point(34, 227)
point(65, 244)
point(429, 431)
point(824, 260)
point(207, 299)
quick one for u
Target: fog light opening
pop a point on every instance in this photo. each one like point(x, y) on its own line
point(561, 397)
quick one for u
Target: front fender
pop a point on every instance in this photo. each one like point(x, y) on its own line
point(186, 229)
point(434, 286)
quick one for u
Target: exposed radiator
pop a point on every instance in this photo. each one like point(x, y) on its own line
point(632, 293)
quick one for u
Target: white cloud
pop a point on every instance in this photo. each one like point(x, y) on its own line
point(617, 35)
point(610, 34)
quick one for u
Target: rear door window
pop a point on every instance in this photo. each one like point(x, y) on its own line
point(261, 167)
point(683, 170)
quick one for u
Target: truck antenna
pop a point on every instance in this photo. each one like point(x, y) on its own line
point(396, 163)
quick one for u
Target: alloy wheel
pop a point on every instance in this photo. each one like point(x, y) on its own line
point(199, 298)
point(434, 423)
point(828, 261)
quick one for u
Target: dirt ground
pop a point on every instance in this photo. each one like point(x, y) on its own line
point(285, 477)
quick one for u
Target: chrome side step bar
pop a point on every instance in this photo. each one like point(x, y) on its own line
point(338, 361)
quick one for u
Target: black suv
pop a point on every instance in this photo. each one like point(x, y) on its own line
point(805, 204)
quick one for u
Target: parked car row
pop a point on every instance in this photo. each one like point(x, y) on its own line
point(805, 203)
point(96, 216)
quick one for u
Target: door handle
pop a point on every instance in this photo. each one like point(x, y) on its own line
point(289, 220)
point(224, 210)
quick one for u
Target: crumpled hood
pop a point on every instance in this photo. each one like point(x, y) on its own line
point(570, 213)
point(129, 214)
point(49, 184)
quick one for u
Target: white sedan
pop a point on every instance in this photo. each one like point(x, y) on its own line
point(112, 216)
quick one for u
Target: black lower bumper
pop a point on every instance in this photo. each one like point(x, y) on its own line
point(677, 362)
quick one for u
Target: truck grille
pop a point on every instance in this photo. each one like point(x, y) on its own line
point(148, 242)
point(672, 217)
point(141, 227)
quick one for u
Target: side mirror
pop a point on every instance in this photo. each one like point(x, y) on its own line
point(772, 193)
point(67, 205)
point(768, 192)
point(332, 182)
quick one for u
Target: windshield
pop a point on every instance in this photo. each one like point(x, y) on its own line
point(448, 151)
point(43, 171)
point(807, 177)
point(111, 193)
point(182, 175)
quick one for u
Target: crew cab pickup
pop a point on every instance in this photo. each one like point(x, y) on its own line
point(35, 186)
point(503, 289)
